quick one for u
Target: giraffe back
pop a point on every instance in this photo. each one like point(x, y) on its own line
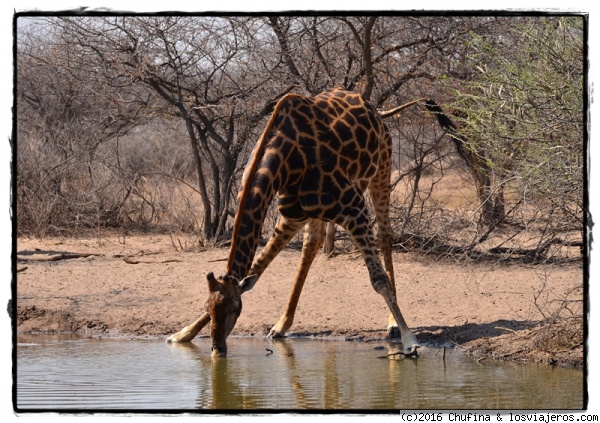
point(316, 153)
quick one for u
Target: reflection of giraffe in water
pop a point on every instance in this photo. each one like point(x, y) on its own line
point(320, 154)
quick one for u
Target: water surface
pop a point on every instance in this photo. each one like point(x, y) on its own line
point(70, 373)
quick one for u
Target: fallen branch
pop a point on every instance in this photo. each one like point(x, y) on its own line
point(412, 353)
point(140, 253)
point(216, 260)
point(62, 256)
point(506, 329)
point(129, 260)
point(433, 245)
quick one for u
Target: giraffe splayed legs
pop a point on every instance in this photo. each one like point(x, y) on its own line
point(319, 154)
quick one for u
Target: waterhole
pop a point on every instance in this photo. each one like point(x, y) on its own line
point(70, 373)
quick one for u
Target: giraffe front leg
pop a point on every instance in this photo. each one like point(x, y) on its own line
point(189, 332)
point(284, 231)
point(314, 236)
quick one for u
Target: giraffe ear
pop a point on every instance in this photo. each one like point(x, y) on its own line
point(213, 284)
point(248, 283)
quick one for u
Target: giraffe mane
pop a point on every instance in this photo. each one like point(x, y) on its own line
point(248, 177)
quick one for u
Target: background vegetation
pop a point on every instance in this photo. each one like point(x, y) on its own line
point(144, 123)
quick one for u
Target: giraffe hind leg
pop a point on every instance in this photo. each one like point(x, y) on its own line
point(380, 196)
point(355, 220)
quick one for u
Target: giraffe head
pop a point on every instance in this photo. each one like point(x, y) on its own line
point(224, 305)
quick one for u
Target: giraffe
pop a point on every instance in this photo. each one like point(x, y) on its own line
point(319, 154)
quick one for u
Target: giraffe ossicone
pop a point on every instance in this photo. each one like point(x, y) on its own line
point(319, 154)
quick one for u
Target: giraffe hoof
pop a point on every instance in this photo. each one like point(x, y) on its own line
point(181, 336)
point(393, 332)
point(410, 343)
point(273, 334)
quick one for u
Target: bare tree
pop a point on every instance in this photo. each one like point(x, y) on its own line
point(59, 133)
point(208, 71)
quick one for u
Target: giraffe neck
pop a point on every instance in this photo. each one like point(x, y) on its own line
point(249, 221)
point(261, 180)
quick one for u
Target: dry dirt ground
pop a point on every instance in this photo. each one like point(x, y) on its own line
point(153, 285)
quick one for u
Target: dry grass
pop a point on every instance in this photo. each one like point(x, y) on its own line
point(443, 217)
point(452, 191)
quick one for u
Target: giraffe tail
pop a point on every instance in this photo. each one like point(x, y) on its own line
point(448, 125)
point(443, 119)
point(392, 112)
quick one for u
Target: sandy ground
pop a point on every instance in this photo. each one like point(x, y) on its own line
point(154, 285)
